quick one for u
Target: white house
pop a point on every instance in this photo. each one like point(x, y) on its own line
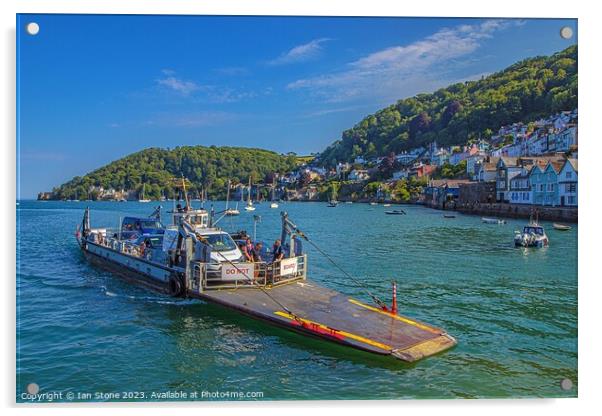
point(486, 170)
point(358, 175)
point(567, 184)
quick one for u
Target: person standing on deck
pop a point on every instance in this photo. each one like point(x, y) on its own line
point(298, 246)
point(246, 254)
point(257, 252)
point(277, 251)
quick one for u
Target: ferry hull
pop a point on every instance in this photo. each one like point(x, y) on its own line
point(319, 312)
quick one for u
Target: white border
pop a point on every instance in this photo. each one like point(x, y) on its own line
point(589, 204)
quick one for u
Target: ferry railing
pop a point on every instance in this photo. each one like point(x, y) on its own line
point(121, 246)
point(265, 274)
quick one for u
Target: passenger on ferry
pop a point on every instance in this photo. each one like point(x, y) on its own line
point(298, 246)
point(277, 251)
point(246, 254)
point(257, 252)
point(249, 245)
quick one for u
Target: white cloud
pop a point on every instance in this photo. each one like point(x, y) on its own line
point(178, 85)
point(190, 119)
point(396, 70)
point(300, 53)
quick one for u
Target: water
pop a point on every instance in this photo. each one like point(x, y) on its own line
point(513, 311)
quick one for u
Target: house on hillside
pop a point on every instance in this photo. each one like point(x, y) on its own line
point(544, 183)
point(520, 188)
point(358, 175)
point(486, 169)
point(567, 184)
point(506, 169)
point(566, 138)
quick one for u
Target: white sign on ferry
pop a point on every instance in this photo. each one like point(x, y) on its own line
point(288, 266)
point(242, 271)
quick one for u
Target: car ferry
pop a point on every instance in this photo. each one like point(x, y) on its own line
point(194, 258)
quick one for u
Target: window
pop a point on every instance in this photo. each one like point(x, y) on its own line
point(570, 187)
point(542, 187)
point(569, 175)
point(551, 187)
point(572, 200)
point(220, 242)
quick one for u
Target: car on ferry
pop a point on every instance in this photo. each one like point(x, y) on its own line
point(134, 227)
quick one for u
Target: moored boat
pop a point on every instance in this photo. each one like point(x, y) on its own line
point(561, 227)
point(249, 206)
point(396, 212)
point(533, 235)
point(493, 220)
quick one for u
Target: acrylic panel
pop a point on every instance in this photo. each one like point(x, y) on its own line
point(267, 208)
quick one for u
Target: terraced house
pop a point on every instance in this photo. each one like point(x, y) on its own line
point(544, 183)
point(567, 184)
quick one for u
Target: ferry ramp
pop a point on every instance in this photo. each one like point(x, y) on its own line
point(330, 315)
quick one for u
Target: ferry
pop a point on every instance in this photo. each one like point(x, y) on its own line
point(194, 258)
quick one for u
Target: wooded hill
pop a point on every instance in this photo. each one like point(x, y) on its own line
point(463, 112)
point(155, 168)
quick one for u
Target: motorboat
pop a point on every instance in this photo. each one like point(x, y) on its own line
point(396, 212)
point(493, 220)
point(533, 235)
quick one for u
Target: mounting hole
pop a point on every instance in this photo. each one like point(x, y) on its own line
point(566, 32)
point(566, 384)
point(33, 388)
point(32, 28)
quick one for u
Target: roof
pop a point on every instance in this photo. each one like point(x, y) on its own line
point(509, 161)
point(573, 163)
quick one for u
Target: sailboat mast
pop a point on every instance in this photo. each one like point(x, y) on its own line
point(228, 194)
point(249, 196)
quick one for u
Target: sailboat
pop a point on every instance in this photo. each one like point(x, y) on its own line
point(143, 199)
point(230, 211)
point(333, 199)
point(274, 204)
point(249, 206)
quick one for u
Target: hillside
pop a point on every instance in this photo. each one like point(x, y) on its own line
point(463, 112)
point(202, 166)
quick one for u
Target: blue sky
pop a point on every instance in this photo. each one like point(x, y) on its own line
point(92, 89)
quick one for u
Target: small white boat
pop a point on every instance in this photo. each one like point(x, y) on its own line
point(396, 212)
point(274, 204)
point(561, 227)
point(386, 205)
point(493, 221)
point(533, 235)
point(349, 202)
point(232, 212)
point(249, 206)
point(143, 199)
point(373, 203)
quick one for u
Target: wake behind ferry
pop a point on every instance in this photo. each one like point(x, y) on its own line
point(194, 258)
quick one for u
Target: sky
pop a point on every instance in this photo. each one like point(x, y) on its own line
point(92, 88)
